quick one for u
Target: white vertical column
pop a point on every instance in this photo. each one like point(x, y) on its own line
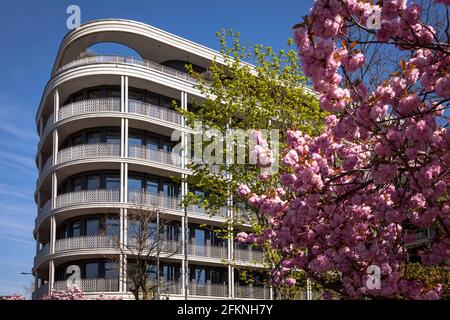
point(51, 276)
point(55, 146)
point(52, 233)
point(54, 190)
point(55, 105)
point(122, 94)
point(125, 94)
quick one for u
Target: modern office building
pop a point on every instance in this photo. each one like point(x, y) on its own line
point(105, 124)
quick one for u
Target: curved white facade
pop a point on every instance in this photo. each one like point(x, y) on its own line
point(96, 146)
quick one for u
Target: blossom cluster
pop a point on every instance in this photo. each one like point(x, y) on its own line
point(350, 197)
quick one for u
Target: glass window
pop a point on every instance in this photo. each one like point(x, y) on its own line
point(92, 270)
point(200, 238)
point(152, 143)
point(199, 276)
point(111, 270)
point(75, 229)
point(114, 93)
point(112, 137)
point(96, 93)
point(112, 182)
point(93, 137)
point(152, 186)
point(77, 140)
point(169, 189)
point(134, 183)
point(92, 227)
point(112, 227)
point(76, 185)
point(135, 139)
point(93, 182)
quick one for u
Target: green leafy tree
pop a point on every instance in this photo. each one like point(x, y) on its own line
point(253, 87)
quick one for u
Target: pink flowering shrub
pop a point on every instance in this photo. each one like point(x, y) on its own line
point(349, 197)
point(76, 293)
point(13, 298)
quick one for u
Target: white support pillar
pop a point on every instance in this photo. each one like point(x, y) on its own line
point(125, 182)
point(54, 190)
point(51, 276)
point(52, 233)
point(55, 146)
point(125, 138)
point(126, 93)
point(122, 183)
point(122, 94)
point(55, 105)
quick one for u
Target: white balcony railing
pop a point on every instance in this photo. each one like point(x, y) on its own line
point(138, 198)
point(92, 285)
point(89, 106)
point(40, 292)
point(88, 242)
point(156, 155)
point(208, 251)
point(84, 151)
point(222, 212)
point(87, 197)
point(112, 59)
point(247, 254)
point(164, 246)
point(209, 289)
point(153, 111)
point(252, 292)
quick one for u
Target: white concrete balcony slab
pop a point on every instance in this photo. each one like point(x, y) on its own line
point(92, 285)
point(87, 197)
point(86, 151)
point(154, 155)
point(134, 61)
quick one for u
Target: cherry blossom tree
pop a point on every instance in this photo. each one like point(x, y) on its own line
point(351, 199)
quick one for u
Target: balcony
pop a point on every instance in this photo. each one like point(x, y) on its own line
point(252, 292)
point(85, 151)
point(165, 246)
point(208, 251)
point(87, 197)
point(89, 106)
point(133, 61)
point(153, 111)
point(88, 242)
point(138, 198)
point(48, 164)
point(40, 292)
point(222, 212)
point(92, 285)
point(208, 289)
point(155, 155)
point(247, 254)
point(78, 243)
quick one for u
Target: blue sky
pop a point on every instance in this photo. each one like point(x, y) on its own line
point(30, 32)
